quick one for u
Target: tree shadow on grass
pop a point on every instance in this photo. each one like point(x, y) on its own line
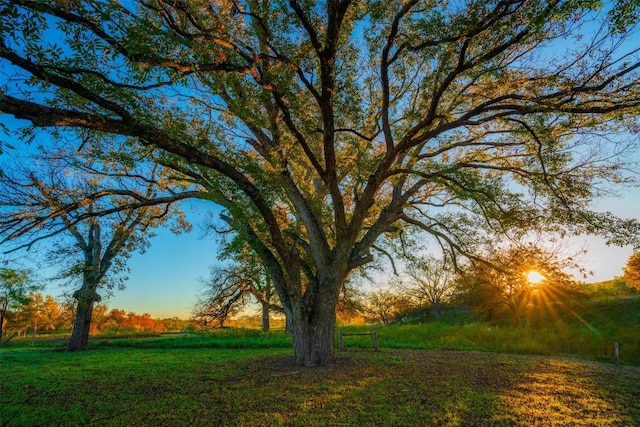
point(440, 388)
point(364, 388)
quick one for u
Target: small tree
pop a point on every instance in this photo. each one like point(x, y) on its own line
point(631, 272)
point(116, 319)
point(16, 290)
point(51, 313)
point(501, 289)
point(385, 305)
point(227, 291)
point(41, 313)
point(224, 293)
point(430, 280)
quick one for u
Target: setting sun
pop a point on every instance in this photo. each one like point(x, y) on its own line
point(534, 277)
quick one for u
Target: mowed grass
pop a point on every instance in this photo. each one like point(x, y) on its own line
point(459, 372)
point(183, 384)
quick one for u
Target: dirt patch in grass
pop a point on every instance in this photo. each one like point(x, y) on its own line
point(204, 387)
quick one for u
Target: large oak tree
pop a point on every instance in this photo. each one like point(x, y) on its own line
point(325, 128)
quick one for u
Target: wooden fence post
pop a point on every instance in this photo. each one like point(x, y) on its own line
point(373, 335)
point(616, 352)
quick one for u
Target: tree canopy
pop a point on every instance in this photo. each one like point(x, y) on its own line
point(631, 271)
point(327, 129)
point(16, 288)
point(430, 280)
point(505, 290)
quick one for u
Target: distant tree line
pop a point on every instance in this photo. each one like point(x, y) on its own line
point(32, 313)
point(389, 306)
point(499, 292)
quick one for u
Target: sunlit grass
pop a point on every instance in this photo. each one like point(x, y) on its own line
point(561, 393)
point(559, 338)
point(237, 377)
point(259, 387)
point(589, 334)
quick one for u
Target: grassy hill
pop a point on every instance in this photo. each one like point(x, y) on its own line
point(615, 313)
point(588, 332)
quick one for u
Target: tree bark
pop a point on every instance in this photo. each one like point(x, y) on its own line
point(313, 341)
point(313, 329)
point(265, 316)
point(86, 297)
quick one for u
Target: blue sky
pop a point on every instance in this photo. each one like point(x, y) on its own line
point(165, 279)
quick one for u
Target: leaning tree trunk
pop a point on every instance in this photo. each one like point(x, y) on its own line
point(86, 297)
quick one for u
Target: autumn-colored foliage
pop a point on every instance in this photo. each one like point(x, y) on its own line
point(632, 270)
point(44, 314)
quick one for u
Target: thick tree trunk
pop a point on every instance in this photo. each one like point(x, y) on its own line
point(265, 316)
point(86, 298)
point(313, 341)
point(313, 331)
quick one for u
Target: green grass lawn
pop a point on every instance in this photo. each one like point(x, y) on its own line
point(180, 381)
point(459, 372)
